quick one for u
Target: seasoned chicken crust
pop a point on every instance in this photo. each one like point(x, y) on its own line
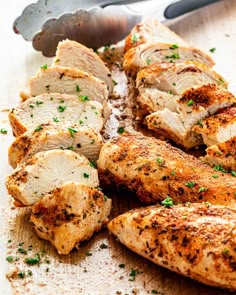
point(70, 214)
point(154, 169)
point(195, 240)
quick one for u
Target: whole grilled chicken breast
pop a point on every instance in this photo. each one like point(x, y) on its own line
point(195, 240)
point(70, 214)
point(47, 170)
point(160, 84)
point(75, 55)
point(154, 169)
point(152, 31)
point(222, 155)
point(143, 55)
point(55, 107)
point(81, 139)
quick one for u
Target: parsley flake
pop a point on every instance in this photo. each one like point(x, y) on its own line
point(168, 202)
point(61, 109)
point(72, 131)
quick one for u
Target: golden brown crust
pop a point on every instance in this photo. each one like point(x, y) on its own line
point(155, 169)
point(195, 240)
point(206, 95)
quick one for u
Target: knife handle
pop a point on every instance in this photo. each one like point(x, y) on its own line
point(181, 7)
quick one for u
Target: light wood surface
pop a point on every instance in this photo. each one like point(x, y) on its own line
point(98, 273)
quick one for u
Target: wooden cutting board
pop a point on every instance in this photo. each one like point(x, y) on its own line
point(101, 265)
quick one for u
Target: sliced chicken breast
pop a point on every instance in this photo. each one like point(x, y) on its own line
point(55, 107)
point(75, 55)
point(169, 125)
point(194, 105)
point(195, 240)
point(69, 81)
point(81, 139)
point(222, 155)
point(70, 214)
point(143, 55)
point(47, 170)
point(160, 84)
point(219, 127)
point(154, 169)
point(152, 31)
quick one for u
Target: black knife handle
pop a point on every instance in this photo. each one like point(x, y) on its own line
point(181, 7)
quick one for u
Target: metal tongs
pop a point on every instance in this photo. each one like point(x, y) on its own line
point(93, 23)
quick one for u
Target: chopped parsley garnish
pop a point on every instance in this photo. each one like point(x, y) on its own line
point(174, 55)
point(21, 274)
point(202, 189)
point(9, 258)
point(22, 251)
point(86, 175)
point(81, 122)
point(174, 46)
point(56, 120)
point(212, 49)
point(38, 128)
point(221, 81)
point(88, 253)
point(61, 109)
point(190, 184)
point(72, 131)
point(168, 202)
point(148, 61)
point(105, 198)
point(114, 82)
point(70, 147)
point(33, 260)
point(121, 130)
point(190, 103)
point(84, 98)
point(215, 175)
point(93, 164)
point(220, 168)
point(199, 123)
point(133, 273)
point(233, 173)
point(3, 131)
point(159, 160)
point(78, 88)
point(31, 106)
point(44, 66)
point(39, 102)
point(57, 60)
point(134, 38)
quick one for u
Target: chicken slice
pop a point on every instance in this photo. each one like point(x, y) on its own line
point(154, 169)
point(194, 240)
point(47, 170)
point(219, 127)
point(152, 31)
point(70, 214)
point(169, 125)
point(222, 155)
point(160, 84)
point(81, 139)
point(75, 55)
point(69, 81)
point(194, 105)
point(146, 54)
point(55, 107)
